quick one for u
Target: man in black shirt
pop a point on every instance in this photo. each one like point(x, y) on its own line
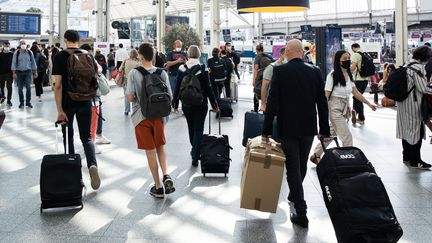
point(174, 60)
point(6, 73)
point(67, 108)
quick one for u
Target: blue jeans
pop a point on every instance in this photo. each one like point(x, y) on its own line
point(358, 105)
point(24, 78)
point(296, 152)
point(83, 112)
point(195, 118)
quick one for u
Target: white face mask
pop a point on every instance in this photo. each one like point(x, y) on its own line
point(23, 47)
point(178, 49)
point(6, 49)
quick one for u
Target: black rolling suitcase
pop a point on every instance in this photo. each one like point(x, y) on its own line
point(61, 182)
point(225, 108)
point(253, 126)
point(356, 198)
point(215, 152)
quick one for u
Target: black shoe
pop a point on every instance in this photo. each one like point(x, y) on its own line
point(29, 105)
point(157, 193)
point(21, 106)
point(168, 184)
point(299, 219)
point(195, 162)
point(2, 100)
point(290, 197)
point(420, 165)
point(9, 103)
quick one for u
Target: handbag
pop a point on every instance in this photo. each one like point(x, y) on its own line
point(114, 73)
point(104, 87)
point(119, 80)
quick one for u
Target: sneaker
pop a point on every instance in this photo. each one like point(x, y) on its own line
point(94, 177)
point(168, 184)
point(9, 103)
point(299, 219)
point(101, 139)
point(361, 122)
point(21, 106)
point(420, 165)
point(97, 150)
point(29, 105)
point(126, 113)
point(2, 100)
point(195, 162)
point(353, 117)
point(157, 193)
point(430, 140)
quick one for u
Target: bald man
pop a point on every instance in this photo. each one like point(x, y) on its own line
point(175, 59)
point(297, 90)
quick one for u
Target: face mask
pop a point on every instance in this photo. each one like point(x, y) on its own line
point(346, 64)
point(23, 47)
point(178, 49)
point(6, 49)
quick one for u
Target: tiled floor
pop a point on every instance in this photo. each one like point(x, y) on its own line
point(202, 209)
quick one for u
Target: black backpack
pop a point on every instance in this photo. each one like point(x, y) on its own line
point(155, 100)
point(42, 63)
point(396, 87)
point(218, 69)
point(264, 62)
point(367, 67)
point(190, 88)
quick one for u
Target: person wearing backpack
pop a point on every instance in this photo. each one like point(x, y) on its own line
point(410, 125)
point(363, 68)
point(75, 73)
point(217, 72)
point(234, 57)
point(193, 90)
point(24, 68)
point(262, 60)
point(42, 66)
point(146, 84)
point(229, 64)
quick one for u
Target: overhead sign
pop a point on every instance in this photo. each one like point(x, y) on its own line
point(20, 23)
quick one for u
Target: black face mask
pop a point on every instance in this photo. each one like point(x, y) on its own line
point(346, 64)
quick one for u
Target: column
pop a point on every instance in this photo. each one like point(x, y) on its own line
point(215, 23)
point(107, 25)
point(100, 20)
point(63, 11)
point(401, 27)
point(51, 23)
point(160, 26)
point(199, 21)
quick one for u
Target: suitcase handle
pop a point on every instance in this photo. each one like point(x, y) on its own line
point(62, 123)
point(323, 141)
point(218, 119)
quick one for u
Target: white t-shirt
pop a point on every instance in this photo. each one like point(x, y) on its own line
point(121, 55)
point(339, 91)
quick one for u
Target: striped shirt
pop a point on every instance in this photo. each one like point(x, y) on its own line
point(409, 116)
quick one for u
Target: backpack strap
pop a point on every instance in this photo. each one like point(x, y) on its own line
point(142, 70)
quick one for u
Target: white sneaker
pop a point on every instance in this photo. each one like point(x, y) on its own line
point(94, 177)
point(97, 150)
point(101, 139)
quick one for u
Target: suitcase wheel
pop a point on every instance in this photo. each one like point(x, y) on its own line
point(204, 174)
point(225, 174)
point(41, 209)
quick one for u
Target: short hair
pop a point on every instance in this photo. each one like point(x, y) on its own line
point(427, 44)
point(307, 48)
point(355, 45)
point(86, 47)
point(6, 43)
point(98, 51)
point(133, 53)
point(111, 50)
point(215, 52)
point(260, 48)
point(282, 51)
point(72, 36)
point(57, 44)
point(223, 52)
point(194, 51)
point(423, 53)
point(121, 45)
point(178, 41)
point(227, 43)
point(146, 50)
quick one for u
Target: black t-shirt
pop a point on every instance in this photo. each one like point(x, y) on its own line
point(172, 56)
point(5, 62)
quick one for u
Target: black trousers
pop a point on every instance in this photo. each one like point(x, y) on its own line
point(195, 118)
point(358, 105)
point(412, 152)
point(296, 152)
point(118, 65)
point(83, 113)
point(6, 80)
point(227, 85)
point(256, 103)
point(39, 83)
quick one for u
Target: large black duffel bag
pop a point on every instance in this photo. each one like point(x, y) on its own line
point(356, 198)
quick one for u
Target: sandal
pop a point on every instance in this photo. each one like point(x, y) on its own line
point(315, 159)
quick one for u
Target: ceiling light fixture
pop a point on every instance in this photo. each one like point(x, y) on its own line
point(266, 6)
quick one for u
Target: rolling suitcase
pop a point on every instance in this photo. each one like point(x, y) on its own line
point(356, 198)
point(253, 126)
point(215, 152)
point(61, 182)
point(225, 108)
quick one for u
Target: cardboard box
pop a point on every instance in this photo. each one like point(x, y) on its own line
point(262, 175)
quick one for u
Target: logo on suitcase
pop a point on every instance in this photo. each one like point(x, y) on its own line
point(329, 196)
point(347, 156)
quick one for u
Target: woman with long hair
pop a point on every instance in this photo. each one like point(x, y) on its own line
point(339, 88)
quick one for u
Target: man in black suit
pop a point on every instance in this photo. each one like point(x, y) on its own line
point(297, 90)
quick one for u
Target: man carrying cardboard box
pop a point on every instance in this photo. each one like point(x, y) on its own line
point(294, 101)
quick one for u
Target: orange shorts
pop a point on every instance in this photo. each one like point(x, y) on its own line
point(150, 134)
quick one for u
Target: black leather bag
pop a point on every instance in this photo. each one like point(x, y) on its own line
point(61, 182)
point(215, 152)
point(356, 198)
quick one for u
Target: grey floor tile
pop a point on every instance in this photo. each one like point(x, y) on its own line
point(9, 221)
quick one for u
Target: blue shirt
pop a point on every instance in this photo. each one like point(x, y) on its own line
point(26, 61)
